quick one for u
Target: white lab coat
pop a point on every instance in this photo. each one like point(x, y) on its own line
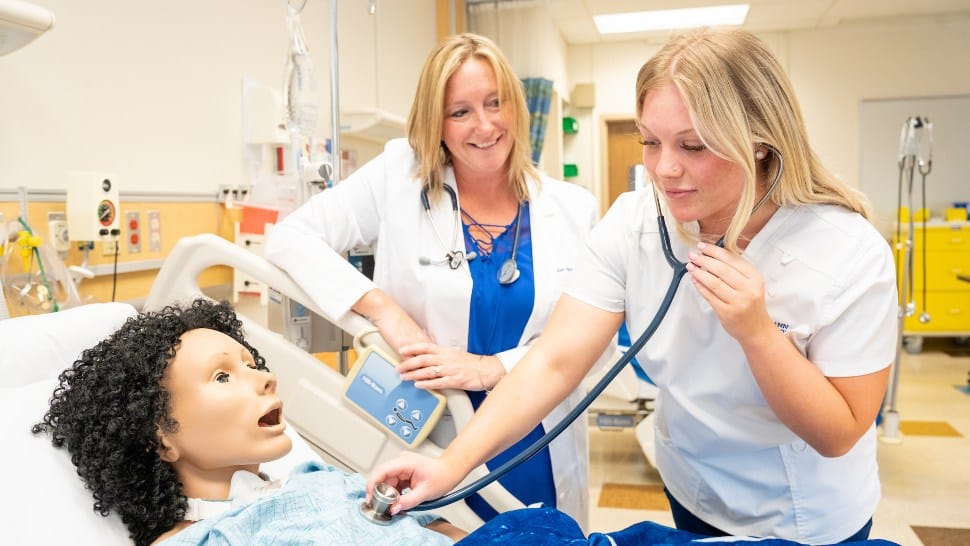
point(380, 205)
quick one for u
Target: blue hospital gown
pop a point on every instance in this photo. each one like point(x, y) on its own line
point(319, 504)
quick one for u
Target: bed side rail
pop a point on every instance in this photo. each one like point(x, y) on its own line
point(313, 392)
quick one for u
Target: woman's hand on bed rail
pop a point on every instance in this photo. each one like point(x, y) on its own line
point(426, 478)
point(397, 327)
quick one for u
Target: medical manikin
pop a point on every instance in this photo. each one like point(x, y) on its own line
point(168, 420)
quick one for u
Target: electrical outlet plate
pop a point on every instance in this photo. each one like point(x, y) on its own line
point(109, 247)
point(154, 231)
point(133, 223)
point(57, 231)
point(230, 194)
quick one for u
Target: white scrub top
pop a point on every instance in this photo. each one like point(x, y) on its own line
point(380, 205)
point(830, 287)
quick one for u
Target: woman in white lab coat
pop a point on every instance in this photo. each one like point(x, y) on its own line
point(448, 212)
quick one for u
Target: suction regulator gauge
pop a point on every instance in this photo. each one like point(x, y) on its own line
point(106, 212)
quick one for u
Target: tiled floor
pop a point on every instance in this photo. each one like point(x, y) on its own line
point(925, 479)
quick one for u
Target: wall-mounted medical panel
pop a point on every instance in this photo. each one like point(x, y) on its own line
point(93, 208)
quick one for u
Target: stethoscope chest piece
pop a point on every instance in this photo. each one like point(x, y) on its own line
point(379, 509)
point(509, 272)
point(455, 258)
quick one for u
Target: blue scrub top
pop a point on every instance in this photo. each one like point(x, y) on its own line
point(498, 315)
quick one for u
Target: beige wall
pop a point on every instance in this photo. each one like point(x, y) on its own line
point(151, 90)
point(832, 70)
point(528, 38)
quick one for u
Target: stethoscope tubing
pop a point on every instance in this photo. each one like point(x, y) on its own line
point(453, 257)
point(508, 272)
point(679, 270)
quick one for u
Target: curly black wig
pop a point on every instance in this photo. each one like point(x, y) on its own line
point(110, 405)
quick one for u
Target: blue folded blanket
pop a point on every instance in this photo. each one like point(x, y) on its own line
point(550, 527)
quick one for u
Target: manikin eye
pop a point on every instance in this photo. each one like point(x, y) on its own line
point(222, 377)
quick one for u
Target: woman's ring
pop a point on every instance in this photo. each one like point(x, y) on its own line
point(437, 371)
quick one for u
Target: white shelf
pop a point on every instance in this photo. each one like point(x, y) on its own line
point(372, 124)
point(20, 23)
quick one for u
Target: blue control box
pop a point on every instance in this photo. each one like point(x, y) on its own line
point(375, 389)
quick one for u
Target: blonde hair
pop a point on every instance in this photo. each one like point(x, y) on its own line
point(739, 97)
point(424, 126)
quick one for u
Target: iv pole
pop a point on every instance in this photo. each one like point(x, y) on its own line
point(915, 153)
point(343, 362)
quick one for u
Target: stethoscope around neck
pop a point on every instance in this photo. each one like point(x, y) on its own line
point(679, 269)
point(454, 257)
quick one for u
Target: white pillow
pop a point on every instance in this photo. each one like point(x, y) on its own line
point(40, 346)
point(43, 499)
point(45, 502)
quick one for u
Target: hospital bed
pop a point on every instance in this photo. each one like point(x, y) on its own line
point(46, 502)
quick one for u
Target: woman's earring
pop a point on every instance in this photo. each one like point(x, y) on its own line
point(761, 154)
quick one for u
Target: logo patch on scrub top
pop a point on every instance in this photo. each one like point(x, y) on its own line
point(782, 326)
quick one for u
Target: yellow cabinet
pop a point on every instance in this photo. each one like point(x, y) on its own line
point(947, 294)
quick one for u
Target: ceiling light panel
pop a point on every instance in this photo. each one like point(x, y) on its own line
point(668, 19)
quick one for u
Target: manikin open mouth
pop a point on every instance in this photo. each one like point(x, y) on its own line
point(271, 419)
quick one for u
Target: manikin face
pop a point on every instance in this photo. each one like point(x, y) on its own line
point(475, 124)
point(699, 185)
point(228, 413)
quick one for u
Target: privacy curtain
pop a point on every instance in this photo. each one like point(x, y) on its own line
point(538, 93)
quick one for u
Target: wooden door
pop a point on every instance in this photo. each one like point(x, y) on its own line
point(623, 152)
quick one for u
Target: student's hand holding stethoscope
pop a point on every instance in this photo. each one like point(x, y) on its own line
point(734, 289)
point(421, 478)
point(432, 366)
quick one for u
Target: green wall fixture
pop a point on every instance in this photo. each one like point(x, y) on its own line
point(570, 126)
